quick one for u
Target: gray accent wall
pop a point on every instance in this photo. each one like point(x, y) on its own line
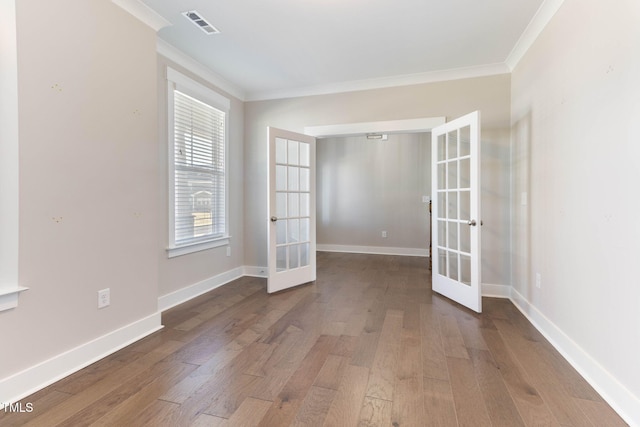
point(367, 186)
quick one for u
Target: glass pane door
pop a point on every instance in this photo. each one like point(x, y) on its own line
point(456, 209)
point(292, 209)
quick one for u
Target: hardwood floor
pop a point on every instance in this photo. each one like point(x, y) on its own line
point(367, 344)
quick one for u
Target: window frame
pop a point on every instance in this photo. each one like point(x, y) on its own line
point(180, 82)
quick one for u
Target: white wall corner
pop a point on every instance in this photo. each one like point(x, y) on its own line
point(179, 57)
point(253, 271)
point(496, 291)
point(540, 20)
point(34, 378)
point(144, 13)
point(172, 299)
point(625, 403)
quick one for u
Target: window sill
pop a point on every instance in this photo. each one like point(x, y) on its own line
point(9, 297)
point(197, 247)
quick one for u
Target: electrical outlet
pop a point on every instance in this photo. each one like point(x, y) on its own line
point(104, 298)
point(228, 250)
point(538, 280)
point(384, 234)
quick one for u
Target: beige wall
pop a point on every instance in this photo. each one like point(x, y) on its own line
point(367, 186)
point(575, 115)
point(88, 177)
point(179, 272)
point(491, 95)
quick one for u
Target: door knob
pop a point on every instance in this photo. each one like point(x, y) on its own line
point(472, 222)
point(274, 218)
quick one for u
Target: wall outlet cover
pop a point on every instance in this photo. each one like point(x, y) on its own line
point(104, 298)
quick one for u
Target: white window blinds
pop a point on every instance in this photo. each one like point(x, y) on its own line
point(198, 211)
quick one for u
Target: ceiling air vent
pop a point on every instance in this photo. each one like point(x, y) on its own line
point(200, 22)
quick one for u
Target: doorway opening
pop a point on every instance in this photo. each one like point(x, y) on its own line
point(367, 201)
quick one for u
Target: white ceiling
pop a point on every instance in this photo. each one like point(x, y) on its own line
point(269, 48)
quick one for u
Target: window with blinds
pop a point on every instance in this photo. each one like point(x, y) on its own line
point(198, 167)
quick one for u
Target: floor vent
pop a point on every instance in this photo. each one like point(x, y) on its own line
point(200, 22)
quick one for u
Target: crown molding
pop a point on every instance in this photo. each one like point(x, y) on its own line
point(144, 13)
point(179, 57)
point(540, 20)
point(147, 15)
point(384, 82)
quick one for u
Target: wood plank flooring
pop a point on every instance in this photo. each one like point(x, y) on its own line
point(367, 344)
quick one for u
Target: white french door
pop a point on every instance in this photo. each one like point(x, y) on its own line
point(456, 220)
point(292, 209)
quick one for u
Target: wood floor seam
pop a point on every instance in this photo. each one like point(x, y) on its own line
point(367, 344)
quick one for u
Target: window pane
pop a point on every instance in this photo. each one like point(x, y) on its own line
point(293, 179)
point(281, 205)
point(465, 173)
point(453, 266)
point(442, 147)
point(453, 235)
point(465, 269)
point(452, 146)
point(304, 230)
point(198, 144)
point(442, 205)
point(442, 234)
point(304, 154)
point(281, 178)
point(442, 176)
point(465, 141)
point(293, 256)
point(465, 205)
point(294, 230)
point(305, 184)
point(452, 206)
point(442, 262)
point(452, 175)
point(281, 150)
point(293, 204)
point(304, 204)
point(293, 153)
point(465, 238)
point(281, 232)
point(304, 254)
point(281, 258)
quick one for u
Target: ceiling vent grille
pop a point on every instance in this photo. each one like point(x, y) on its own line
point(200, 22)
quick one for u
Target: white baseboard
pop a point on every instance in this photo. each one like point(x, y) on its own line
point(625, 403)
point(172, 299)
point(375, 250)
point(496, 291)
point(24, 383)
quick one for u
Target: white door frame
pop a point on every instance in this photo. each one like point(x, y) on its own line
point(424, 124)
